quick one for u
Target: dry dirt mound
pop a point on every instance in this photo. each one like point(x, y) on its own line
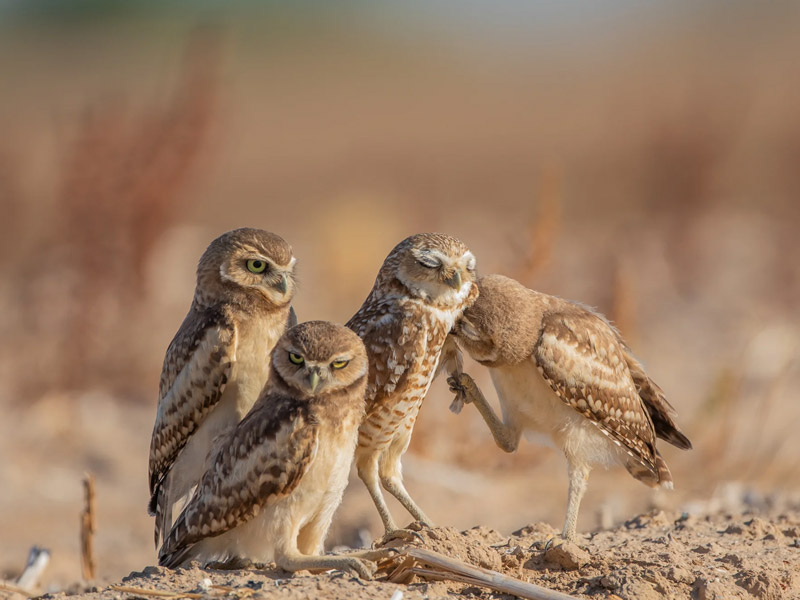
point(653, 556)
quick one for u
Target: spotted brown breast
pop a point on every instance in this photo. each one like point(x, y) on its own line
point(403, 340)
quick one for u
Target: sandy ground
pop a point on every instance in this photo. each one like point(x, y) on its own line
point(750, 541)
point(655, 555)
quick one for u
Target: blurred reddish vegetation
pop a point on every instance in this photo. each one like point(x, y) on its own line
point(123, 173)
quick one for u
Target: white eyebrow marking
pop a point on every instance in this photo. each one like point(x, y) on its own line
point(470, 258)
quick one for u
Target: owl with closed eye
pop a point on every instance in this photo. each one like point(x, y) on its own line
point(423, 286)
point(561, 369)
point(219, 360)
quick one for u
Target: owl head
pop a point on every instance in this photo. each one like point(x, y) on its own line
point(318, 358)
point(498, 328)
point(434, 267)
point(253, 262)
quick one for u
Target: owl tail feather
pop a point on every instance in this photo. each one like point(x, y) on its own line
point(660, 476)
point(174, 552)
point(161, 507)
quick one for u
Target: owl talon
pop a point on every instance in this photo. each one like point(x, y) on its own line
point(407, 535)
point(362, 568)
point(233, 564)
point(457, 388)
point(553, 541)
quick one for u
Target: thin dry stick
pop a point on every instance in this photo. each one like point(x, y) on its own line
point(457, 570)
point(88, 526)
point(623, 302)
point(10, 587)
point(232, 591)
point(543, 229)
point(156, 593)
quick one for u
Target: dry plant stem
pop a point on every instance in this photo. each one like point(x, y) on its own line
point(88, 526)
point(457, 570)
point(544, 228)
point(232, 591)
point(156, 593)
point(623, 311)
point(15, 589)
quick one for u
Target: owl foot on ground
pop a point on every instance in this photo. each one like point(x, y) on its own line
point(407, 534)
point(565, 553)
point(233, 564)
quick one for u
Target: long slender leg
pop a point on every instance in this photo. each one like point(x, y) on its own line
point(578, 478)
point(393, 483)
point(391, 475)
point(367, 466)
point(506, 438)
point(395, 487)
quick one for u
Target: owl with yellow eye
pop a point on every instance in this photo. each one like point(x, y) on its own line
point(218, 362)
point(275, 480)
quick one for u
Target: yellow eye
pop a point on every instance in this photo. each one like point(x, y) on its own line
point(296, 358)
point(339, 364)
point(256, 266)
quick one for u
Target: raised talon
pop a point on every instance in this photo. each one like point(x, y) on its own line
point(466, 382)
point(458, 389)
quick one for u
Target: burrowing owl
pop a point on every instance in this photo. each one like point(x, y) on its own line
point(218, 362)
point(425, 283)
point(274, 482)
point(563, 370)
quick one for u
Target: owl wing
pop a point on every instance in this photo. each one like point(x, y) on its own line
point(394, 342)
point(196, 369)
point(661, 411)
point(262, 460)
point(582, 361)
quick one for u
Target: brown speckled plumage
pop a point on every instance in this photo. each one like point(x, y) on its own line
point(545, 352)
point(272, 485)
point(422, 287)
point(218, 361)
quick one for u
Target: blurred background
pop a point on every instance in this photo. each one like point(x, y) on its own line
point(640, 158)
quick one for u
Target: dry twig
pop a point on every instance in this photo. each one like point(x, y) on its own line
point(6, 586)
point(155, 593)
point(224, 590)
point(438, 566)
point(88, 526)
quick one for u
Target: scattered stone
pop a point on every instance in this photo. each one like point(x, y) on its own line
point(567, 555)
point(760, 585)
point(680, 575)
point(734, 529)
point(655, 518)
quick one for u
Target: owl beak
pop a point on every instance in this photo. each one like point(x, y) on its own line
point(283, 284)
point(313, 380)
point(454, 281)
